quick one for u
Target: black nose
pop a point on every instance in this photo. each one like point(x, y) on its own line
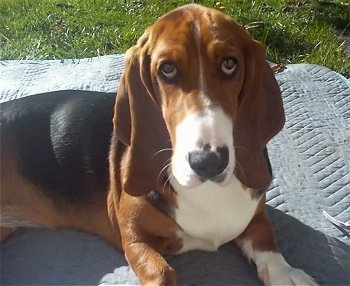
point(208, 164)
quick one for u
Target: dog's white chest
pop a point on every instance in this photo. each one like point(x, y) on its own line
point(210, 215)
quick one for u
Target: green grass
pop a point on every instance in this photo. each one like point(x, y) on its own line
point(292, 31)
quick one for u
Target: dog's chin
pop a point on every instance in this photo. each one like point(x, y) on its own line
point(191, 181)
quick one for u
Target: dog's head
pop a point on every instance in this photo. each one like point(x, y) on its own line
point(197, 101)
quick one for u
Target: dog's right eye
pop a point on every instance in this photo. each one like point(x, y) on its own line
point(168, 70)
point(228, 66)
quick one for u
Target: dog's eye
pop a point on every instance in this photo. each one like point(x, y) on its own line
point(168, 70)
point(228, 66)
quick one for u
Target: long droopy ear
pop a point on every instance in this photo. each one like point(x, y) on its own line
point(260, 116)
point(139, 126)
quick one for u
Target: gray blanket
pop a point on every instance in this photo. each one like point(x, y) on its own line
point(311, 163)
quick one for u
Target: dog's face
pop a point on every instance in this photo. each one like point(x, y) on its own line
point(197, 74)
point(197, 70)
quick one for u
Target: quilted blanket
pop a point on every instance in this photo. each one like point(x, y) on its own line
point(311, 163)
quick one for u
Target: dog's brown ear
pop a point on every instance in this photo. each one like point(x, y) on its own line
point(260, 116)
point(139, 125)
point(122, 118)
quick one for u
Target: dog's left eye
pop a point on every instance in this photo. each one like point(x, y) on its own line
point(228, 66)
point(168, 70)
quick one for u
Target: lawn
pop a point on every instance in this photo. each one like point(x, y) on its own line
point(291, 31)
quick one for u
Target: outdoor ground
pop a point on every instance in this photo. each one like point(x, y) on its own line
point(292, 31)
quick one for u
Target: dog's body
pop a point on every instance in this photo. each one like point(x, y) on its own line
point(188, 166)
point(54, 160)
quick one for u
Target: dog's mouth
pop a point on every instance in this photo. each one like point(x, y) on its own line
point(191, 179)
point(219, 179)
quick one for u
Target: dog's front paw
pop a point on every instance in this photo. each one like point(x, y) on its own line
point(284, 276)
point(274, 270)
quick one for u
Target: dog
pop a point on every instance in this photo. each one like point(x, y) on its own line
point(177, 162)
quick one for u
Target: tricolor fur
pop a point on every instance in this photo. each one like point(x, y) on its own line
point(184, 165)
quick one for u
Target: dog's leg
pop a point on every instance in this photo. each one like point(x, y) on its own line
point(146, 235)
point(259, 245)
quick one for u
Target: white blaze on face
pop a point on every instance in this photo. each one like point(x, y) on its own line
point(208, 127)
point(201, 76)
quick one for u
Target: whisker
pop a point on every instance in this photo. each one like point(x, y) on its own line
point(166, 183)
point(242, 148)
point(162, 150)
point(167, 164)
point(240, 167)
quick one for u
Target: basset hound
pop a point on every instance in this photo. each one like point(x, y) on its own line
point(177, 163)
